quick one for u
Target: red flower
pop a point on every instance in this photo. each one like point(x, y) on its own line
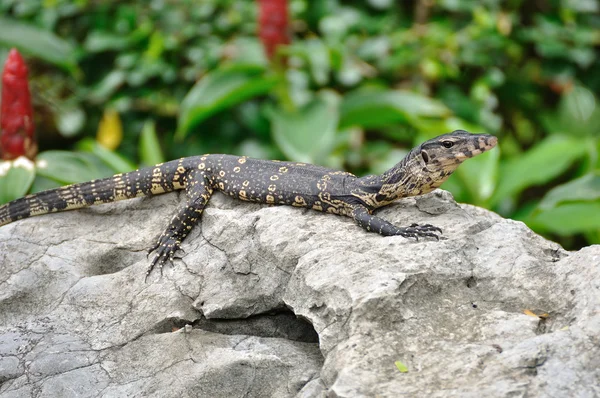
point(17, 133)
point(273, 24)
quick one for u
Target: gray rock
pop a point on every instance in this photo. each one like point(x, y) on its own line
point(277, 302)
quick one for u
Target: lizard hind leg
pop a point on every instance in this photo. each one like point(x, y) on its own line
point(169, 242)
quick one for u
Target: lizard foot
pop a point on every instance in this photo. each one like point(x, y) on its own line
point(420, 231)
point(165, 249)
point(426, 227)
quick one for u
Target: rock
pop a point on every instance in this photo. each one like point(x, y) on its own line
point(278, 301)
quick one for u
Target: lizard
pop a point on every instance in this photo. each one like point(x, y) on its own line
point(422, 170)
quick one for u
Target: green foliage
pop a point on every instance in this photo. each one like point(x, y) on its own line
point(150, 151)
point(220, 90)
point(115, 162)
point(381, 108)
point(362, 83)
point(586, 188)
point(16, 178)
point(38, 42)
point(65, 167)
point(307, 134)
point(545, 161)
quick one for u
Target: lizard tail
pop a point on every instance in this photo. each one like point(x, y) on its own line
point(143, 182)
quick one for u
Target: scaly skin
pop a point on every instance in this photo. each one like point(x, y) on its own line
point(423, 169)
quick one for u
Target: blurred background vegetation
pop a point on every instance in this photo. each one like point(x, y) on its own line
point(119, 85)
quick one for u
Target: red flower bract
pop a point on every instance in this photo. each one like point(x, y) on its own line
point(273, 24)
point(17, 132)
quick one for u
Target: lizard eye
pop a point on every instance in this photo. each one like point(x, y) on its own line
point(447, 144)
point(425, 156)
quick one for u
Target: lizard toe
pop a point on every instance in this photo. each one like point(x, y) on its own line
point(165, 251)
point(426, 228)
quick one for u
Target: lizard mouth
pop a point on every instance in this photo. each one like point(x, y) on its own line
point(489, 142)
point(483, 144)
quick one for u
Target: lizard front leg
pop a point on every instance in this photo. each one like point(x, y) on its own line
point(198, 191)
point(366, 220)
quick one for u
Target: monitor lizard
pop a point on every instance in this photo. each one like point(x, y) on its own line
point(421, 171)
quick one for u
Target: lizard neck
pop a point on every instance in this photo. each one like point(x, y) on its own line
point(410, 177)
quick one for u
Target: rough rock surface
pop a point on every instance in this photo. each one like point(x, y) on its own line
point(277, 301)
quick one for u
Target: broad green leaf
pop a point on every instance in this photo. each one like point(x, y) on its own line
point(116, 162)
point(150, 151)
point(567, 219)
point(578, 105)
point(539, 165)
point(107, 86)
point(401, 367)
point(371, 109)
point(37, 42)
point(578, 113)
point(586, 188)
point(308, 134)
point(16, 177)
point(249, 50)
point(97, 41)
point(41, 183)
point(71, 167)
point(221, 89)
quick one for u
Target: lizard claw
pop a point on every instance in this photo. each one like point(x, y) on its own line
point(424, 231)
point(408, 233)
point(164, 249)
point(426, 227)
point(151, 249)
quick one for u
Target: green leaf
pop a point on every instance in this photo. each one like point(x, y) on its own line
point(71, 167)
point(578, 114)
point(221, 89)
point(16, 177)
point(317, 55)
point(116, 162)
point(70, 120)
point(41, 183)
point(372, 109)
point(567, 219)
point(150, 150)
point(542, 163)
point(109, 85)
point(98, 41)
point(38, 42)
point(578, 105)
point(401, 367)
point(308, 134)
point(586, 188)
point(249, 50)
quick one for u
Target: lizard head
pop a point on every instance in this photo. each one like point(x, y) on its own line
point(445, 153)
point(428, 165)
point(425, 167)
